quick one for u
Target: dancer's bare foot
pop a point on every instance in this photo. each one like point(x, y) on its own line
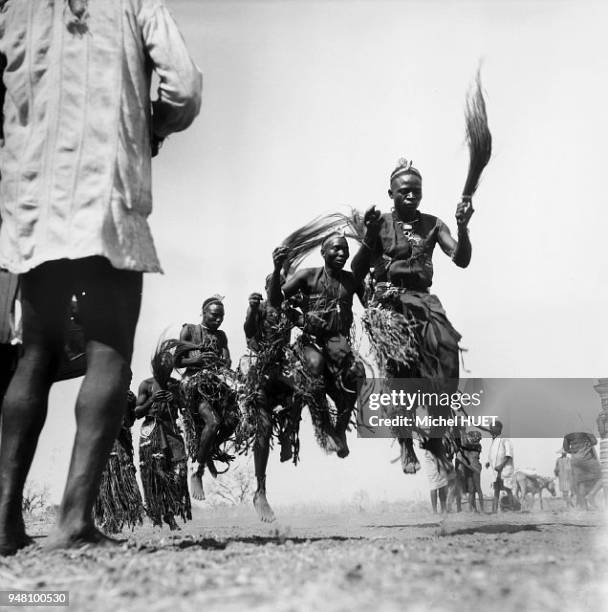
point(343, 451)
point(262, 507)
point(409, 461)
point(12, 534)
point(196, 485)
point(10, 543)
point(170, 520)
point(66, 537)
point(332, 445)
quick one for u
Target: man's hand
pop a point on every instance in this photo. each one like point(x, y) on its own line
point(162, 396)
point(464, 211)
point(254, 300)
point(279, 255)
point(372, 218)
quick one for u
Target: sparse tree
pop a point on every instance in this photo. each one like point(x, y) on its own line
point(35, 498)
point(233, 488)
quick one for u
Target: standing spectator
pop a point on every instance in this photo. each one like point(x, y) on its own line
point(586, 471)
point(79, 134)
point(500, 459)
point(563, 473)
point(438, 475)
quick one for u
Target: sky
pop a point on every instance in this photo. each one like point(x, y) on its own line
point(307, 106)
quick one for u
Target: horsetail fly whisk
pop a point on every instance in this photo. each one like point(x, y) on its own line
point(479, 138)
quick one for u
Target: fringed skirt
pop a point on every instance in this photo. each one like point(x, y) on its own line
point(420, 342)
point(119, 501)
point(269, 404)
point(162, 461)
point(412, 337)
point(217, 387)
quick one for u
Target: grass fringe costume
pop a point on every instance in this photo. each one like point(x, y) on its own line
point(215, 383)
point(162, 454)
point(119, 501)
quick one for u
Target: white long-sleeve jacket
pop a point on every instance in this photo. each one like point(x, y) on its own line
point(76, 161)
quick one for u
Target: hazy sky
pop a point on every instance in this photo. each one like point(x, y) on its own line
point(307, 106)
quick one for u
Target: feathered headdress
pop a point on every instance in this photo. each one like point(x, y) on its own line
point(308, 237)
point(404, 167)
point(163, 362)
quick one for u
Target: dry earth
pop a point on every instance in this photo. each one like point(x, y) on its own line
point(347, 560)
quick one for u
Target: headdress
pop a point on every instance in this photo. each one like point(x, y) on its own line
point(163, 361)
point(331, 236)
point(214, 299)
point(404, 167)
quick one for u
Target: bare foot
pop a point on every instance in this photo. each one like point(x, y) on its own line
point(13, 536)
point(196, 486)
point(409, 461)
point(10, 544)
point(262, 507)
point(173, 526)
point(343, 451)
point(79, 538)
point(332, 445)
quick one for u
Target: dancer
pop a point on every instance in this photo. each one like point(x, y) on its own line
point(209, 407)
point(324, 347)
point(270, 400)
point(399, 247)
point(162, 454)
point(406, 323)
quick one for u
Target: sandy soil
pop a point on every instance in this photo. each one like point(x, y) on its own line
point(347, 560)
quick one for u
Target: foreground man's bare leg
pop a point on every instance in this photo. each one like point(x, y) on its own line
point(99, 411)
point(45, 301)
point(24, 413)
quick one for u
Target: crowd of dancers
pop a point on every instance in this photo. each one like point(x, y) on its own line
point(300, 355)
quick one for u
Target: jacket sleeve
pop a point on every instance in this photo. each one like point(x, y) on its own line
point(180, 81)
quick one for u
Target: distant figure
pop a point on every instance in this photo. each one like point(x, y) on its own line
point(469, 466)
point(602, 427)
point(438, 477)
point(500, 459)
point(563, 473)
point(80, 130)
point(586, 471)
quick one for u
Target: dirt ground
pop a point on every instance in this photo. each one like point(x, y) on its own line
point(354, 559)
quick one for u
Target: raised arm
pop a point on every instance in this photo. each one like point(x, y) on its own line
point(459, 251)
point(180, 81)
point(275, 293)
point(252, 319)
point(362, 260)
